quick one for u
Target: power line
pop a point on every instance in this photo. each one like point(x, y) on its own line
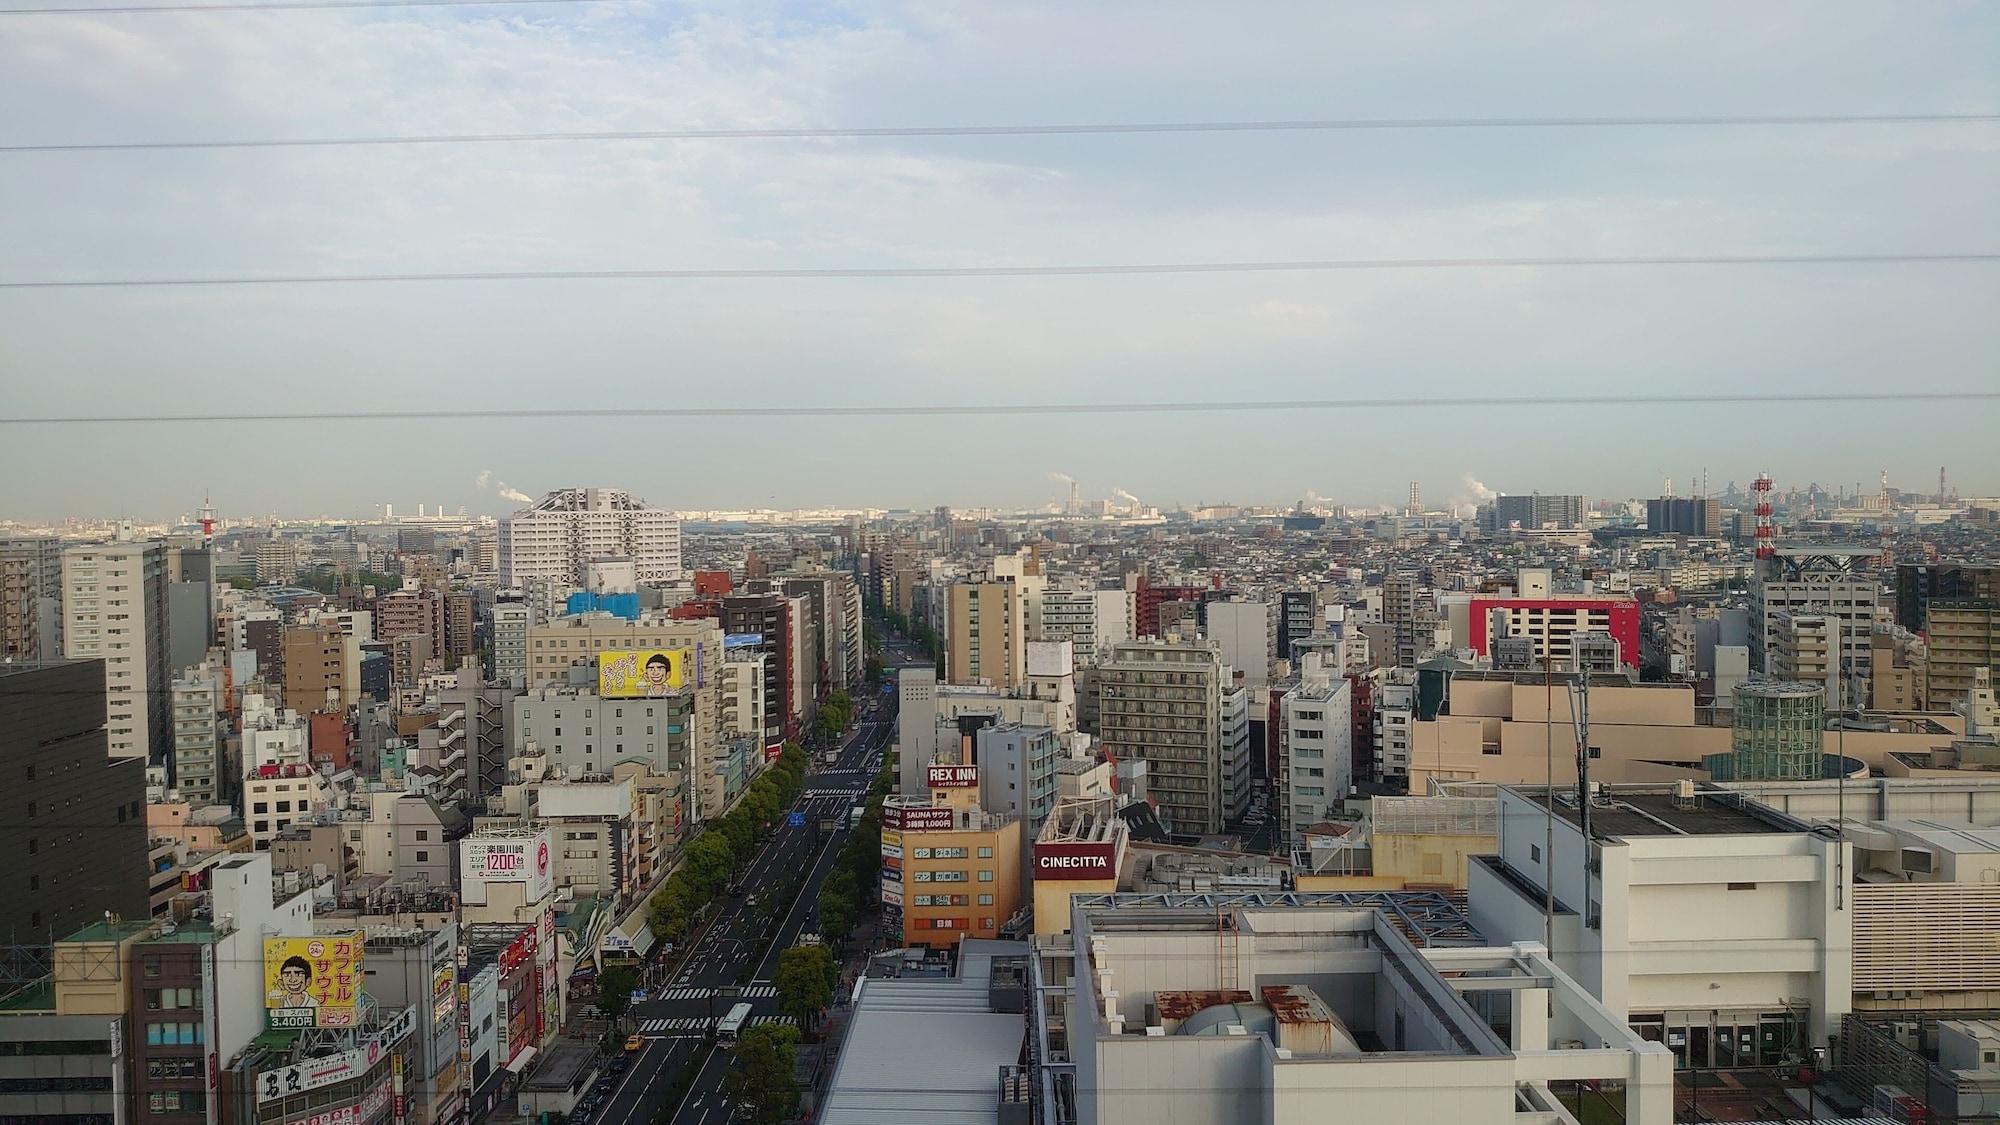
point(1044, 130)
point(278, 6)
point(1113, 270)
point(1015, 408)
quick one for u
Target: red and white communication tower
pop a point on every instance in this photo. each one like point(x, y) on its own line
point(1762, 488)
point(207, 522)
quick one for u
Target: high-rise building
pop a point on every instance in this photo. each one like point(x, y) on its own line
point(985, 633)
point(1243, 630)
point(411, 610)
point(1298, 618)
point(30, 598)
point(569, 527)
point(75, 837)
point(1161, 702)
point(1685, 515)
point(1956, 606)
point(197, 701)
point(1816, 581)
point(277, 561)
point(1535, 511)
point(1091, 620)
point(318, 675)
point(115, 610)
point(190, 602)
point(511, 622)
point(1315, 748)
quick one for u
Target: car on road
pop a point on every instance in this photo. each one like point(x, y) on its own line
point(635, 1042)
point(616, 1064)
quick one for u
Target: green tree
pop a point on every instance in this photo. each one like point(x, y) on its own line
point(709, 860)
point(614, 991)
point(761, 1071)
point(805, 979)
point(876, 669)
point(839, 903)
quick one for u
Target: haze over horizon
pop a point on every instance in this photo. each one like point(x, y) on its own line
point(981, 201)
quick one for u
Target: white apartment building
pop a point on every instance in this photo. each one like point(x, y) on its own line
point(196, 704)
point(511, 623)
point(1091, 620)
point(1395, 711)
point(1711, 923)
point(743, 695)
point(115, 610)
point(1235, 733)
point(1246, 632)
point(280, 785)
point(584, 735)
point(1315, 748)
point(556, 539)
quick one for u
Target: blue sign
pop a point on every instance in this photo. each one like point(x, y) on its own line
point(741, 640)
point(796, 820)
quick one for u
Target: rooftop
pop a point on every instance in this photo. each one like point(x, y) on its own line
point(111, 931)
point(1659, 811)
point(927, 1051)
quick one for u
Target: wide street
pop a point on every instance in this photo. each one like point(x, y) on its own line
point(676, 1021)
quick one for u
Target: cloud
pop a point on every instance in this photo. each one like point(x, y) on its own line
point(516, 496)
point(484, 476)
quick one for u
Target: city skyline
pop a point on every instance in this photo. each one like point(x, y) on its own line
point(1458, 498)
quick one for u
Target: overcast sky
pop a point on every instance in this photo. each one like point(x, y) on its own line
point(988, 201)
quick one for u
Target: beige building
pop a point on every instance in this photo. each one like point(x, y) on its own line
point(1499, 729)
point(1161, 702)
point(985, 633)
point(1898, 670)
point(322, 668)
point(952, 868)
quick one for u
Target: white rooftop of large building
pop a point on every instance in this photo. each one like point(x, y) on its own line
point(927, 1051)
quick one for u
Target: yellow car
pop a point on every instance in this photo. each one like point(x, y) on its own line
point(635, 1043)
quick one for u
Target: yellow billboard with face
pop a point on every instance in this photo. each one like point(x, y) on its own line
point(647, 673)
point(312, 981)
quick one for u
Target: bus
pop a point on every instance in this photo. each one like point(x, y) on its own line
point(855, 814)
point(729, 1027)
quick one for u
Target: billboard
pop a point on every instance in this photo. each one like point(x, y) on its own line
point(312, 981)
point(1074, 860)
point(444, 994)
point(924, 818)
point(645, 673)
point(952, 777)
point(487, 860)
point(741, 640)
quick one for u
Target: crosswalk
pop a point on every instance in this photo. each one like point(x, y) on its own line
point(683, 1027)
point(749, 992)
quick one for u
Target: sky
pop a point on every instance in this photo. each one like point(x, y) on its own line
point(979, 201)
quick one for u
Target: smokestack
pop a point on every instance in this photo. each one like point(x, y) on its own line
point(1075, 505)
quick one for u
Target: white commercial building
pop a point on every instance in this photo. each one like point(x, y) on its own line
point(556, 539)
point(1709, 922)
point(1226, 1008)
point(115, 610)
